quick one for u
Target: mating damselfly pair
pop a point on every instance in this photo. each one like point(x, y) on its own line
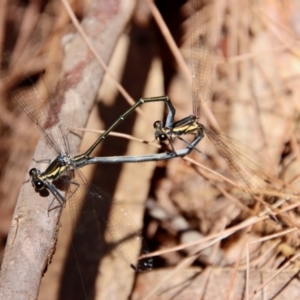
point(252, 178)
point(61, 170)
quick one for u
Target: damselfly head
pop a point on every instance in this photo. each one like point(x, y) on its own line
point(160, 133)
point(34, 172)
point(158, 125)
point(38, 184)
point(162, 137)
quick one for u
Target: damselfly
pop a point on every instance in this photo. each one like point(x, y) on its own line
point(60, 172)
point(248, 166)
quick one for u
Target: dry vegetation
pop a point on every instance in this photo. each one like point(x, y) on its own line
point(211, 239)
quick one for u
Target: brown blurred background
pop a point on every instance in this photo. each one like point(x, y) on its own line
point(254, 96)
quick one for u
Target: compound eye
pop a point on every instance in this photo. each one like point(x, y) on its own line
point(157, 124)
point(162, 137)
point(32, 172)
point(39, 185)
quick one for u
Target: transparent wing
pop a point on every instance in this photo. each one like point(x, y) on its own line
point(248, 166)
point(43, 113)
point(204, 39)
point(100, 212)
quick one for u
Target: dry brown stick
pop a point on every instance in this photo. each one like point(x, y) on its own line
point(33, 233)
